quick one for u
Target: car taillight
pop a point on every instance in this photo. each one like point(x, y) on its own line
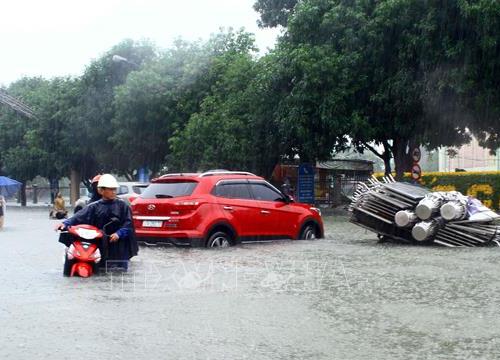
point(181, 207)
point(187, 205)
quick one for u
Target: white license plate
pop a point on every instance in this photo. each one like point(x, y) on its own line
point(152, 223)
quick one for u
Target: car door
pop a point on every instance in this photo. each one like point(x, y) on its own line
point(239, 208)
point(277, 219)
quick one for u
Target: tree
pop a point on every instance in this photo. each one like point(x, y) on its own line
point(474, 31)
point(235, 126)
point(274, 12)
point(93, 150)
point(218, 134)
point(21, 158)
point(157, 101)
point(399, 68)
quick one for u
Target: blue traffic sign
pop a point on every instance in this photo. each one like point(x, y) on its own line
point(305, 184)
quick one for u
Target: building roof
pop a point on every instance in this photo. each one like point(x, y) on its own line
point(346, 164)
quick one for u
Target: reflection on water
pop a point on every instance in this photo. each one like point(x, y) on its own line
point(344, 297)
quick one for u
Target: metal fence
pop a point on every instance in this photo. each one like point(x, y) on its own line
point(333, 189)
point(43, 195)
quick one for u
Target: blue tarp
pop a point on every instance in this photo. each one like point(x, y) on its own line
point(8, 187)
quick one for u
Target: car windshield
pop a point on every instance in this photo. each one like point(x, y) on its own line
point(169, 190)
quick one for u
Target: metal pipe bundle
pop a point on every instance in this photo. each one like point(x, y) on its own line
point(412, 213)
point(425, 230)
point(453, 210)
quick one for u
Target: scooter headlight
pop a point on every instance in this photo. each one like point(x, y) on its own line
point(96, 256)
point(71, 252)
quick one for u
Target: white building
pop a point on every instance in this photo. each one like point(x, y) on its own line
point(470, 157)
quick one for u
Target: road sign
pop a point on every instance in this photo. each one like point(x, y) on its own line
point(143, 174)
point(416, 154)
point(305, 185)
point(416, 172)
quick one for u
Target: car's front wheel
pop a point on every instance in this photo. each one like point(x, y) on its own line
point(308, 232)
point(219, 239)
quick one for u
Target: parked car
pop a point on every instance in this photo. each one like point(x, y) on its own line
point(219, 209)
point(127, 191)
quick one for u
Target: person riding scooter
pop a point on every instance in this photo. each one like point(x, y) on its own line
point(122, 243)
point(96, 196)
point(80, 203)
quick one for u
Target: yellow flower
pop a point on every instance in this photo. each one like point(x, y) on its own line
point(443, 188)
point(485, 189)
point(480, 188)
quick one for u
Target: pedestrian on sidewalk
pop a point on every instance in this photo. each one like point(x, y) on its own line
point(2, 211)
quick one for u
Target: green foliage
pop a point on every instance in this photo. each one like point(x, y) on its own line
point(93, 122)
point(158, 100)
point(221, 133)
point(21, 158)
point(274, 12)
point(403, 69)
point(392, 73)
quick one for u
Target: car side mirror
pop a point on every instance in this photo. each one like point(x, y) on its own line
point(289, 199)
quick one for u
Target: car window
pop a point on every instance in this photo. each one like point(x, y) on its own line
point(138, 189)
point(265, 193)
point(233, 191)
point(169, 190)
point(123, 189)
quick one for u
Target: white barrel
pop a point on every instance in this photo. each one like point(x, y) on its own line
point(453, 210)
point(426, 207)
point(405, 218)
point(424, 230)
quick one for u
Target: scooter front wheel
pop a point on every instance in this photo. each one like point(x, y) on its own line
point(68, 264)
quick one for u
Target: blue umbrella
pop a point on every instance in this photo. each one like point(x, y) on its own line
point(8, 187)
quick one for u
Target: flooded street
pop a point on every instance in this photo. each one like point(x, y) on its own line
point(343, 297)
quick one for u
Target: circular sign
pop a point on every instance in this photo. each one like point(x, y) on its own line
point(416, 172)
point(416, 154)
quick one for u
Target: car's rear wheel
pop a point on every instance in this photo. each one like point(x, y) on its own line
point(308, 232)
point(219, 239)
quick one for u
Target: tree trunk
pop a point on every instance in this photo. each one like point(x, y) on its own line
point(402, 157)
point(74, 191)
point(387, 162)
point(386, 155)
point(22, 194)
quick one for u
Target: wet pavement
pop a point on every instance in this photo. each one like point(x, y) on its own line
point(343, 297)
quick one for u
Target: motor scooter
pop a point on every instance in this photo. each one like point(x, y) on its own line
point(82, 255)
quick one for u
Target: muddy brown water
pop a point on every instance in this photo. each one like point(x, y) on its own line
point(343, 297)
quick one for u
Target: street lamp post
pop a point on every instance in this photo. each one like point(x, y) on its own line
point(118, 58)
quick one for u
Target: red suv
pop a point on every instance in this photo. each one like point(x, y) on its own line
point(219, 209)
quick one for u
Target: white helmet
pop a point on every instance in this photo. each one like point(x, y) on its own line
point(108, 181)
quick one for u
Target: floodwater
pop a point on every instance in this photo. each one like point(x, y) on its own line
point(343, 297)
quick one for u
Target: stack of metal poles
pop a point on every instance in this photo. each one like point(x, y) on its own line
point(412, 213)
